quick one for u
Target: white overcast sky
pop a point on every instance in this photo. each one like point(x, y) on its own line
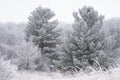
point(19, 10)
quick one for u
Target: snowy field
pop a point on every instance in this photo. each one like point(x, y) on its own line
point(112, 74)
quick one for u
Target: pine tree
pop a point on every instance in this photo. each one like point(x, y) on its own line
point(86, 42)
point(43, 32)
point(27, 53)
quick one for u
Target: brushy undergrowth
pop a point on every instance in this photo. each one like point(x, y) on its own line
point(112, 74)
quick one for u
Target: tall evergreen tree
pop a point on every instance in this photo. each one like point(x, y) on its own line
point(43, 32)
point(86, 42)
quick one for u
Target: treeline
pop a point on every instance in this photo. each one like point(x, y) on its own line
point(44, 44)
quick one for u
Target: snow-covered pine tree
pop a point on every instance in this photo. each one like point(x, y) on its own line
point(43, 32)
point(27, 53)
point(85, 43)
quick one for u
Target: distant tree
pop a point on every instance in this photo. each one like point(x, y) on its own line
point(86, 42)
point(113, 26)
point(11, 34)
point(43, 32)
point(112, 40)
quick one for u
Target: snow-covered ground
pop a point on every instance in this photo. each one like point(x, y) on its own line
point(113, 74)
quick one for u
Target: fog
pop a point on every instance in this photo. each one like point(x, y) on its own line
point(19, 10)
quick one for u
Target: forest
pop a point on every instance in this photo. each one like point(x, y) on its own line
point(46, 49)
